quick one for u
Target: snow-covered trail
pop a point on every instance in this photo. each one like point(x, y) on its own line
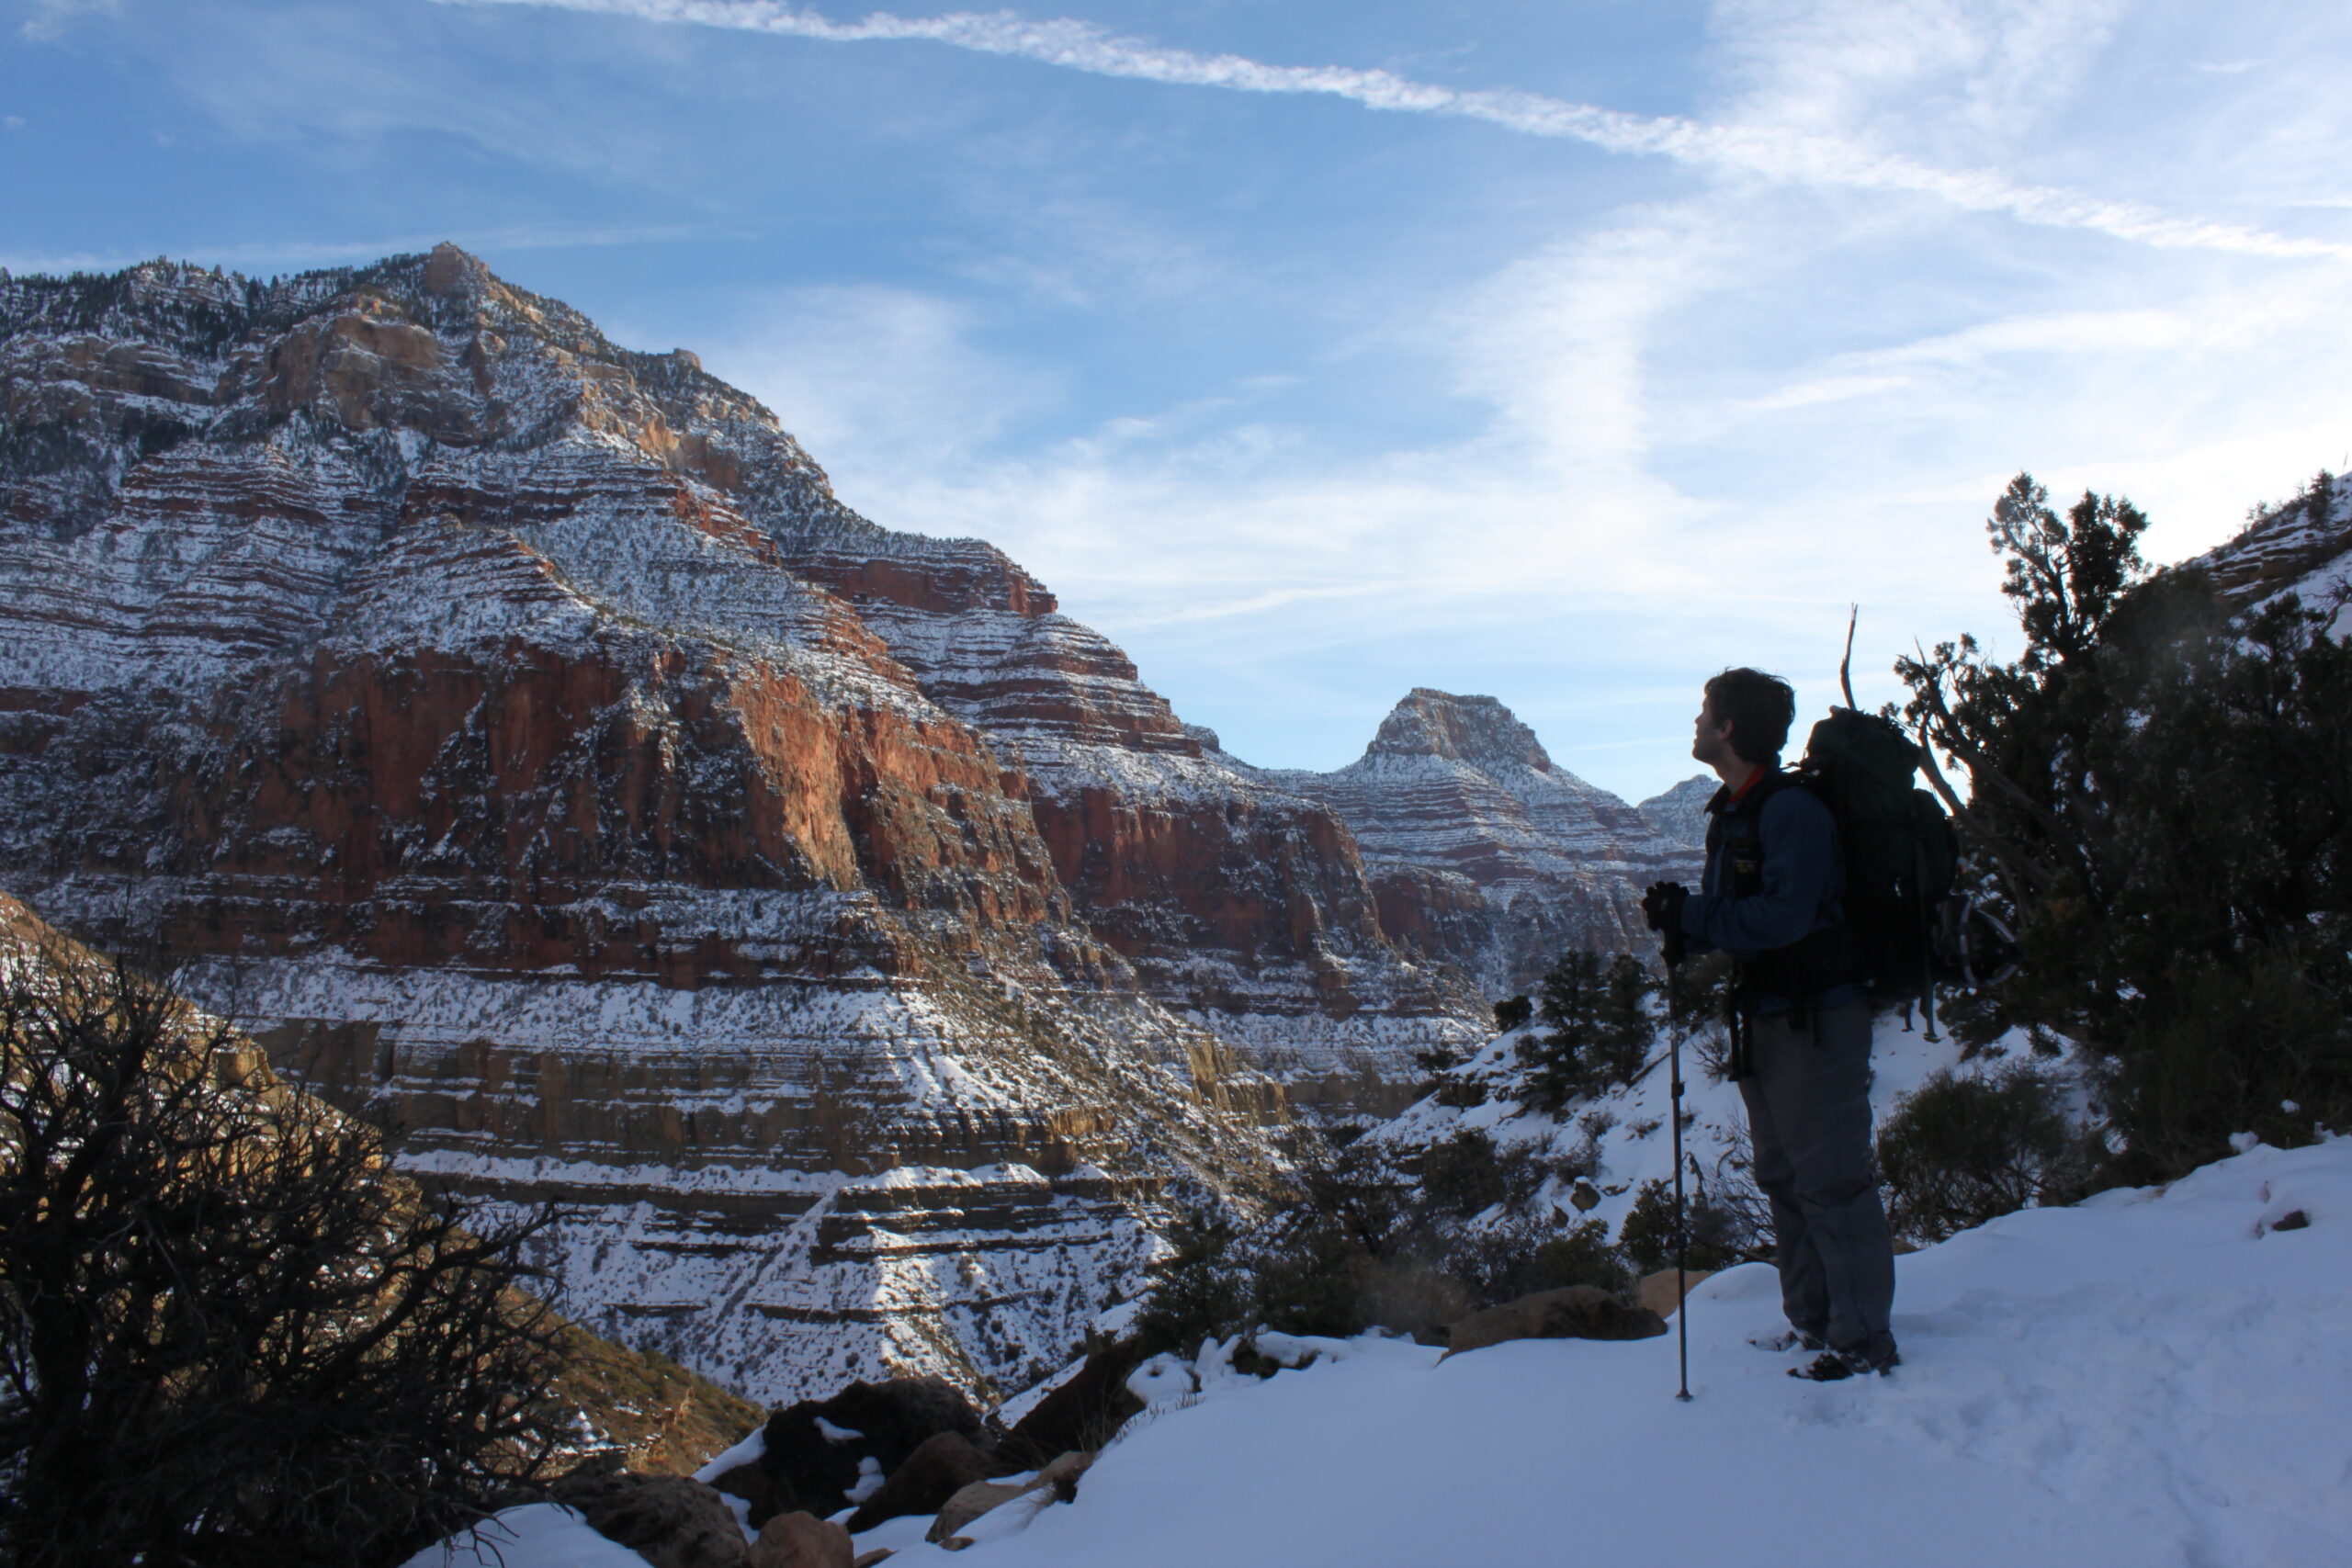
point(2153, 1378)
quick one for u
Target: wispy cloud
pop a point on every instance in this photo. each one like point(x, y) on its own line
point(51, 17)
point(1779, 154)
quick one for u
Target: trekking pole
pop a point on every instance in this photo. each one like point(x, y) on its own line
point(1671, 952)
point(1681, 1225)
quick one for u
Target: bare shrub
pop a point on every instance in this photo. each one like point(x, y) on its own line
point(229, 1334)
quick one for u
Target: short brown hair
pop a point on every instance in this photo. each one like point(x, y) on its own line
point(1759, 707)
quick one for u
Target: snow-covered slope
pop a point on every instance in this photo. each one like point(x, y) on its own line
point(1622, 1135)
point(2303, 547)
point(2155, 1377)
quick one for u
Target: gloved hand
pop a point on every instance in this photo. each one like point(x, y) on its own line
point(1662, 912)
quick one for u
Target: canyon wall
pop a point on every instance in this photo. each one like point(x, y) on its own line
point(517, 733)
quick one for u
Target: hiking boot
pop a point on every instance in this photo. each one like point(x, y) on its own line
point(1836, 1366)
point(1788, 1339)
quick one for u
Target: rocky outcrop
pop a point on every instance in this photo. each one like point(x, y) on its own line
point(2303, 547)
point(519, 736)
point(940, 1466)
point(673, 1521)
point(1574, 1311)
point(1484, 853)
point(1681, 813)
point(1241, 903)
point(803, 1541)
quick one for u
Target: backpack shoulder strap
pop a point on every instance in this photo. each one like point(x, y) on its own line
point(1771, 784)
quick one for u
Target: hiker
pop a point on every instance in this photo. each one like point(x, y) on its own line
point(1801, 1024)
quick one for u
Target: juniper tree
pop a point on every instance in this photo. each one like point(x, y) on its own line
point(2162, 790)
point(1601, 1028)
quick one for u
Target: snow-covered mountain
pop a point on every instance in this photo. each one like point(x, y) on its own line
point(1681, 813)
point(2303, 547)
point(516, 731)
point(1482, 851)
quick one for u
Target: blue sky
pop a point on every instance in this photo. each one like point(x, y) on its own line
point(1565, 352)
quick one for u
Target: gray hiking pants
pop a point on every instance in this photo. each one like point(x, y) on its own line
point(1809, 1114)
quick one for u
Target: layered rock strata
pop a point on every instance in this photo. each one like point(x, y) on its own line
point(517, 733)
point(1483, 852)
point(2303, 547)
point(1681, 813)
point(644, 1409)
point(1240, 903)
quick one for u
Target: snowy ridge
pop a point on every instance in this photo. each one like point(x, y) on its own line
point(2299, 547)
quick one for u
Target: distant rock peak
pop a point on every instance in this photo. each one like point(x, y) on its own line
point(1431, 723)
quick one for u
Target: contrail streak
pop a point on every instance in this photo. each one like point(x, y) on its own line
point(1781, 156)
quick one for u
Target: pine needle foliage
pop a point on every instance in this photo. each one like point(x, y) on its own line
point(2160, 789)
point(1602, 1028)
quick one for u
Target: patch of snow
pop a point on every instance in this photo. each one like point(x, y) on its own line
point(1164, 1382)
point(745, 1452)
point(869, 1471)
point(538, 1535)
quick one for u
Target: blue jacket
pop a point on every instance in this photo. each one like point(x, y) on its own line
point(1803, 884)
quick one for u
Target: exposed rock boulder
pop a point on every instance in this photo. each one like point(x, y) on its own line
point(1054, 1483)
point(670, 1520)
point(1061, 1476)
point(802, 1540)
point(940, 1466)
point(969, 1503)
point(1081, 1415)
point(762, 1498)
point(1577, 1312)
point(815, 1449)
point(1657, 1291)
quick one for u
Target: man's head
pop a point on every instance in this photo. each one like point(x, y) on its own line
point(1745, 717)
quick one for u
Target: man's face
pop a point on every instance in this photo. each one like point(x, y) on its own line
point(1711, 737)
